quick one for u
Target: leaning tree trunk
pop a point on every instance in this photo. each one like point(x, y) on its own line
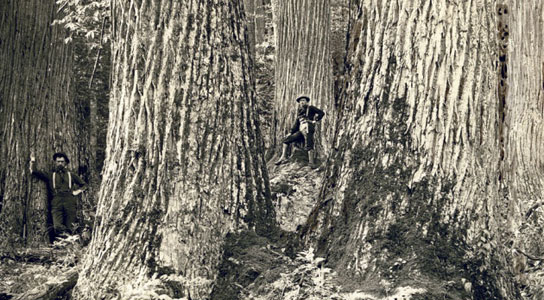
point(415, 190)
point(36, 113)
point(303, 65)
point(183, 166)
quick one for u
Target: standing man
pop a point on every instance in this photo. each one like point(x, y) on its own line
point(60, 183)
point(303, 129)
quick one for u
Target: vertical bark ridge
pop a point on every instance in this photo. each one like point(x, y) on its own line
point(185, 168)
point(522, 163)
point(36, 114)
point(418, 156)
point(303, 63)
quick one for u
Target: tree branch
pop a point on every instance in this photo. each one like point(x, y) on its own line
point(529, 256)
point(532, 209)
point(99, 51)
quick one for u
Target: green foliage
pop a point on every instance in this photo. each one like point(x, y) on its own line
point(309, 278)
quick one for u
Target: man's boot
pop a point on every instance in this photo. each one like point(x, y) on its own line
point(311, 158)
point(283, 157)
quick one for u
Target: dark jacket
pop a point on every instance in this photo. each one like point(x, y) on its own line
point(307, 113)
point(62, 184)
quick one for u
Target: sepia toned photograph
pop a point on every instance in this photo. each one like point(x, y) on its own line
point(271, 149)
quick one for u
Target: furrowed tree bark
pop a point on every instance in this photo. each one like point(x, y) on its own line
point(522, 74)
point(521, 32)
point(36, 114)
point(303, 66)
point(183, 165)
point(416, 190)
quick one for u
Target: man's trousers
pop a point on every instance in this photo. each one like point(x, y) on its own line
point(63, 210)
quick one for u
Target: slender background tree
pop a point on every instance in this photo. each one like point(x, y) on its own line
point(261, 42)
point(88, 30)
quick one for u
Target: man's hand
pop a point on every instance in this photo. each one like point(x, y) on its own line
point(32, 160)
point(304, 128)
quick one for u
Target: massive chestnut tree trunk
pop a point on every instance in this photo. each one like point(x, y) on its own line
point(37, 114)
point(303, 65)
point(183, 165)
point(521, 92)
point(434, 155)
point(521, 31)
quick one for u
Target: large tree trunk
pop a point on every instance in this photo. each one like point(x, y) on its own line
point(521, 31)
point(303, 65)
point(36, 113)
point(522, 74)
point(183, 165)
point(416, 190)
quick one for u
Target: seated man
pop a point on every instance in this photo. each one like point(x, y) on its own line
point(303, 129)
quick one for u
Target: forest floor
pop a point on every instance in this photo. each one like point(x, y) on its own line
point(279, 267)
point(252, 267)
point(41, 273)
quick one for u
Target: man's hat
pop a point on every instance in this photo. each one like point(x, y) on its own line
point(61, 154)
point(303, 97)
